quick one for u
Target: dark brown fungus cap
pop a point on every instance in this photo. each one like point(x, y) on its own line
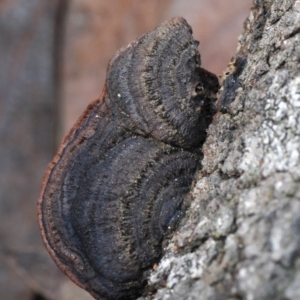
point(117, 184)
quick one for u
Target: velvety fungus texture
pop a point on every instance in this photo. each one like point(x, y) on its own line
point(117, 185)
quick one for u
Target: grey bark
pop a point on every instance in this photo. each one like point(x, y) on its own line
point(240, 238)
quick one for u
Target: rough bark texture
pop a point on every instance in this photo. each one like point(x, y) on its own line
point(241, 237)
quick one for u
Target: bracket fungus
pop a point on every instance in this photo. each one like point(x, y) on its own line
point(117, 185)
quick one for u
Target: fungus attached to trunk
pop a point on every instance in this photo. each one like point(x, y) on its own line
point(117, 184)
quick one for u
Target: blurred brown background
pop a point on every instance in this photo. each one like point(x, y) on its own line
point(53, 57)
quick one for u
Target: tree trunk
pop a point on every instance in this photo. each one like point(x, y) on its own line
point(240, 239)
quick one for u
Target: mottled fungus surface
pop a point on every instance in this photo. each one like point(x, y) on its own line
point(118, 182)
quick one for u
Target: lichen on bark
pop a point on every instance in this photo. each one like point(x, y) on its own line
point(240, 238)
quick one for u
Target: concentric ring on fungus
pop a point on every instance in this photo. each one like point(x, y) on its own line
point(117, 185)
